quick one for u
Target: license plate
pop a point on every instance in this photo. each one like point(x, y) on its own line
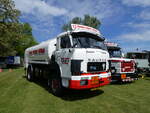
point(123, 76)
point(95, 80)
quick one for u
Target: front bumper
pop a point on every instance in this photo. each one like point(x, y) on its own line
point(88, 83)
point(128, 77)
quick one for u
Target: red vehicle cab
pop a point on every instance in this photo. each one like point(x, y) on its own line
point(122, 69)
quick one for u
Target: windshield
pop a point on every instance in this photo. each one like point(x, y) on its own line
point(85, 40)
point(115, 53)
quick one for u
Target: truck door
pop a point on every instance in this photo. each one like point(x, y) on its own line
point(65, 55)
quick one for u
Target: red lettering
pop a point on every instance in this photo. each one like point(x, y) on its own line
point(30, 52)
point(35, 52)
point(39, 51)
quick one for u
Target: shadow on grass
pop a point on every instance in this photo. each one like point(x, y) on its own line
point(147, 75)
point(70, 95)
point(23, 76)
point(122, 83)
point(147, 78)
point(41, 82)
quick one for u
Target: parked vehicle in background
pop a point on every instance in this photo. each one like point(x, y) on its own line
point(148, 61)
point(141, 59)
point(149, 57)
point(10, 61)
point(75, 59)
point(13, 61)
point(122, 69)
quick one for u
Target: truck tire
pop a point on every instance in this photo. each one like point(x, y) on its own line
point(55, 86)
point(30, 73)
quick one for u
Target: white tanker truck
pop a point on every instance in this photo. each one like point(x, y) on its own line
point(76, 59)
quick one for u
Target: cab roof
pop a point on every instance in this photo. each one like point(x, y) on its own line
point(82, 33)
point(84, 30)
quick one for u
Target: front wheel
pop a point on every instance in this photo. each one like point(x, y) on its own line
point(55, 86)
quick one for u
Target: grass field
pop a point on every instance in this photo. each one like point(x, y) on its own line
point(17, 95)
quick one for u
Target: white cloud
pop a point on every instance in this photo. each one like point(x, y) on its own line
point(49, 15)
point(133, 40)
point(145, 15)
point(45, 11)
point(70, 8)
point(143, 3)
point(136, 36)
point(102, 9)
point(38, 7)
point(53, 13)
point(99, 8)
point(143, 25)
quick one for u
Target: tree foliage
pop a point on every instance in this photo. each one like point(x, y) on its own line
point(8, 13)
point(12, 33)
point(26, 40)
point(87, 20)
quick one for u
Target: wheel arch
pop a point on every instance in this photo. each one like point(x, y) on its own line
point(54, 65)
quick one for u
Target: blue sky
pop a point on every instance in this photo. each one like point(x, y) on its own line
point(126, 22)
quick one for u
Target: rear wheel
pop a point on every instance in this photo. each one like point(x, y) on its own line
point(30, 73)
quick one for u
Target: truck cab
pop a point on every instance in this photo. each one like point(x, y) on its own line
point(81, 54)
point(122, 69)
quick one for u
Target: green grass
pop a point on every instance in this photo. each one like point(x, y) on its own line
point(17, 95)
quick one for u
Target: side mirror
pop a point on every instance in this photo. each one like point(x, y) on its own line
point(54, 44)
point(122, 54)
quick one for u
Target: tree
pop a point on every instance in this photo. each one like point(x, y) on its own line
point(76, 20)
point(91, 21)
point(14, 36)
point(87, 20)
point(26, 40)
point(9, 27)
point(10, 33)
point(8, 13)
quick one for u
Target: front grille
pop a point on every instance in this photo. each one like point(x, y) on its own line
point(96, 66)
point(127, 66)
point(76, 67)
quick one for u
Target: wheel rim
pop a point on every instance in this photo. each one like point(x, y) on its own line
point(28, 76)
point(48, 82)
point(55, 85)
